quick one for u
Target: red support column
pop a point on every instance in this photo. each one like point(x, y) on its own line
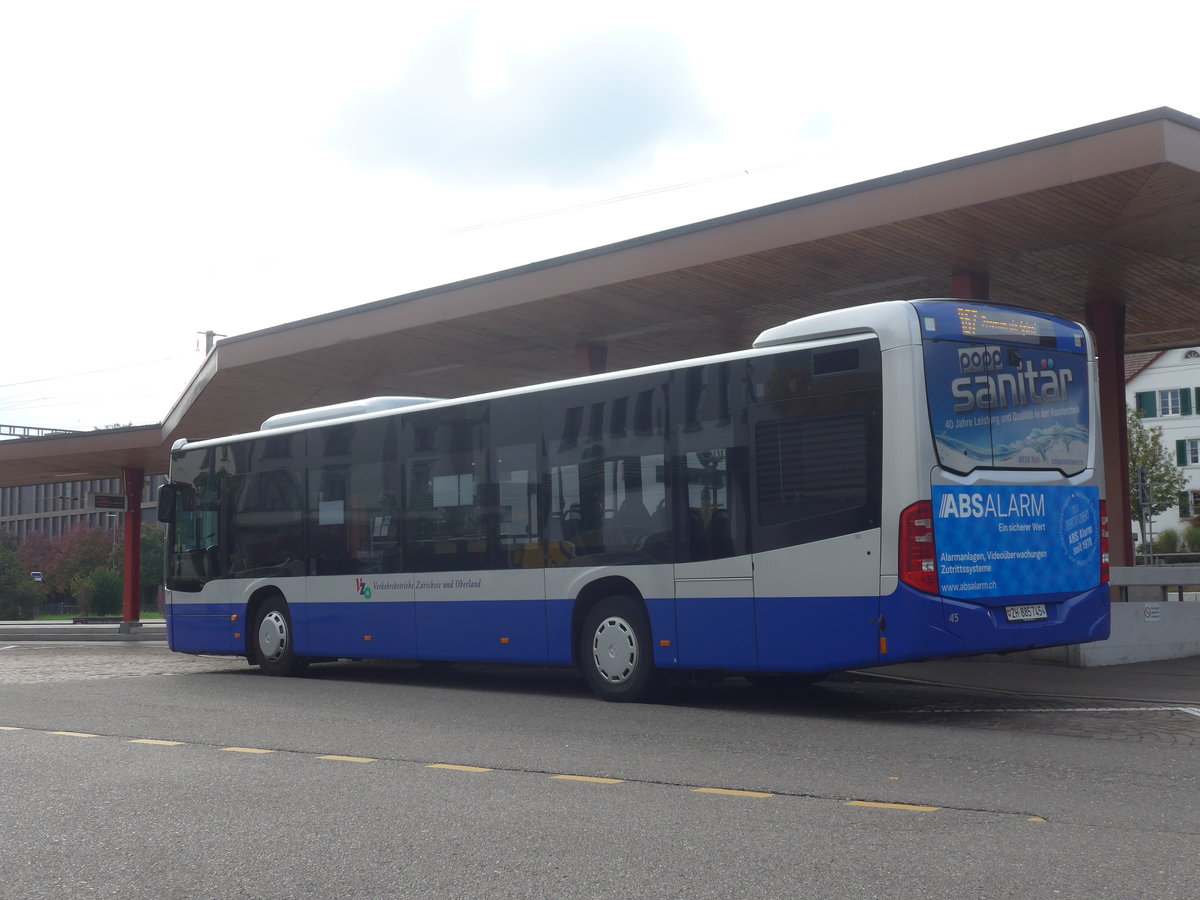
point(591, 359)
point(133, 480)
point(969, 285)
point(1107, 321)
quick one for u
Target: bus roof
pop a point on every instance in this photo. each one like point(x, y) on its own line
point(893, 321)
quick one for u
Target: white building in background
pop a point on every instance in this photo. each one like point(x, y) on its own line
point(1165, 388)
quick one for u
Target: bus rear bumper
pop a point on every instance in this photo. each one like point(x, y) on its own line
point(966, 628)
point(1075, 619)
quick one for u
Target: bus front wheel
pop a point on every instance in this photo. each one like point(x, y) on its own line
point(615, 652)
point(274, 644)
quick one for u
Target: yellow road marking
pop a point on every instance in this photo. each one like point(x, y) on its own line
point(457, 768)
point(1035, 819)
point(246, 750)
point(74, 734)
point(354, 759)
point(157, 743)
point(10, 728)
point(587, 778)
point(911, 807)
point(725, 792)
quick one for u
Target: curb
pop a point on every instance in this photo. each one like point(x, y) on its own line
point(42, 631)
point(1100, 695)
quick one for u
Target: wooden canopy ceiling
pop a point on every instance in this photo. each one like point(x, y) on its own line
point(1104, 214)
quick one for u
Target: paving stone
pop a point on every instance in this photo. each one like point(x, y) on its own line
point(33, 663)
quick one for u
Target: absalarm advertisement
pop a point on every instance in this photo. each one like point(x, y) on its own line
point(1004, 541)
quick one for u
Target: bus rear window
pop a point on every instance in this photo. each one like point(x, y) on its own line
point(994, 405)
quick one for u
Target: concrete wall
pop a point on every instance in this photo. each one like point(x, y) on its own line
point(1142, 630)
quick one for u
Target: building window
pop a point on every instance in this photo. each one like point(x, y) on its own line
point(1168, 402)
point(1192, 454)
point(1193, 508)
point(1172, 402)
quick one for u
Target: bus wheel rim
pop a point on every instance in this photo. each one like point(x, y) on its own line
point(615, 650)
point(272, 636)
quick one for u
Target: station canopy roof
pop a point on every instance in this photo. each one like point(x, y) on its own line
point(1109, 213)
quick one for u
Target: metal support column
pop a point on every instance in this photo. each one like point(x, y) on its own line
point(969, 285)
point(1107, 321)
point(591, 359)
point(133, 480)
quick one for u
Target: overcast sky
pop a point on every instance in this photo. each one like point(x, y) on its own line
point(168, 168)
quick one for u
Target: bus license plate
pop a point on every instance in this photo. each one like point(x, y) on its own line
point(1032, 612)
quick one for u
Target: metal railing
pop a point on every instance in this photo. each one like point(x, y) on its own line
point(1183, 576)
point(1182, 557)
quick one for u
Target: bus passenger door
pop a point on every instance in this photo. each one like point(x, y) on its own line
point(714, 614)
point(817, 604)
point(202, 623)
point(816, 446)
point(714, 576)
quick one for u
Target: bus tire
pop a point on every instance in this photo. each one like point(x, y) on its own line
point(274, 639)
point(615, 651)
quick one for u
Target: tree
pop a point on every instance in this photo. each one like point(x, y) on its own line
point(81, 551)
point(61, 560)
point(1156, 480)
point(18, 594)
point(99, 592)
point(153, 555)
point(35, 554)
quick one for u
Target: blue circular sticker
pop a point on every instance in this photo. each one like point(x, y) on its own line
point(1079, 529)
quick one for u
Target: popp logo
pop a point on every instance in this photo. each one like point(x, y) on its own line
point(980, 359)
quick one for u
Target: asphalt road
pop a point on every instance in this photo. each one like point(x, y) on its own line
point(387, 780)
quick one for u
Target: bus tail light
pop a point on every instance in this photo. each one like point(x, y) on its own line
point(1104, 542)
point(918, 557)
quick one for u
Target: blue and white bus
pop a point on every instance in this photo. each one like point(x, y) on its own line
point(893, 482)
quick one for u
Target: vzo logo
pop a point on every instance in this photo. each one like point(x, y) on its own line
point(361, 587)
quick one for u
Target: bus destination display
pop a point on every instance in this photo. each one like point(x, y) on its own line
point(943, 321)
point(992, 323)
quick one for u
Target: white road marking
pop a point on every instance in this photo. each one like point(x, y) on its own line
point(1190, 710)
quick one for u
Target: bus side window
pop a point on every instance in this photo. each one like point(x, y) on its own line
point(608, 475)
point(450, 499)
point(817, 445)
point(711, 465)
point(516, 515)
point(263, 508)
point(352, 522)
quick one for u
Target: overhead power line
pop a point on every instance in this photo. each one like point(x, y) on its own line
point(621, 198)
point(89, 372)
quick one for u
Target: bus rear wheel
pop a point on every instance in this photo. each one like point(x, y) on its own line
point(274, 644)
point(615, 652)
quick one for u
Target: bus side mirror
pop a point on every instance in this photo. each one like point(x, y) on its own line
point(169, 496)
point(166, 502)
